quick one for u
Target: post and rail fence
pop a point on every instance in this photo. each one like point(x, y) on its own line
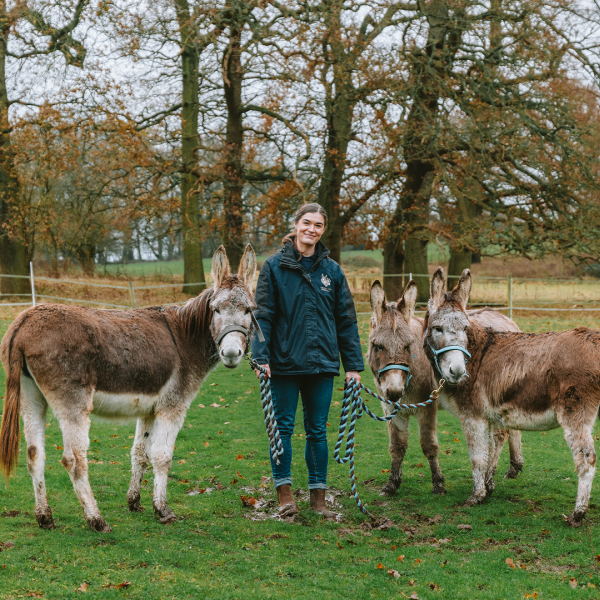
point(507, 294)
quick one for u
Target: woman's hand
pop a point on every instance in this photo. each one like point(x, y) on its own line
point(352, 375)
point(268, 369)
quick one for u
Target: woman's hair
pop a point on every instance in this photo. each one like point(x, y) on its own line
point(313, 207)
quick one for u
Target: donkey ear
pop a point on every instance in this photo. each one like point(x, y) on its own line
point(220, 267)
point(247, 267)
point(438, 285)
point(406, 304)
point(377, 301)
point(463, 289)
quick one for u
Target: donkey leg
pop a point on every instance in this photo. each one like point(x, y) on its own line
point(516, 454)
point(500, 437)
point(398, 430)
point(76, 442)
point(478, 435)
point(162, 438)
point(581, 442)
point(34, 408)
point(140, 460)
point(427, 418)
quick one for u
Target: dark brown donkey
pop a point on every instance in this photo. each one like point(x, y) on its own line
point(516, 380)
point(144, 364)
point(396, 340)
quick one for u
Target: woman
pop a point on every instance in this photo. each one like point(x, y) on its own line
point(306, 312)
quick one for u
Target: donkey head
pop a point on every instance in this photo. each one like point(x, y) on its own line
point(392, 342)
point(231, 304)
point(446, 326)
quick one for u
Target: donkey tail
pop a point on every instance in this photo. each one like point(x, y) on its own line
point(10, 432)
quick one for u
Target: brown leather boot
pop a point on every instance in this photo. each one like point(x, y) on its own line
point(287, 504)
point(317, 503)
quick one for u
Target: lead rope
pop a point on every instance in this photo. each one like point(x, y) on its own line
point(355, 405)
point(268, 411)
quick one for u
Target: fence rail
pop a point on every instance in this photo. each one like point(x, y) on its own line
point(507, 294)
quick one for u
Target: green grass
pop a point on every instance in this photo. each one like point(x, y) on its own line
point(213, 551)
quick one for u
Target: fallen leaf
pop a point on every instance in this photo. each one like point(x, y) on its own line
point(385, 470)
point(123, 585)
point(393, 573)
point(591, 585)
point(465, 527)
point(414, 596)
point(239, 475)
point(411, 582)
point(434, 586)
point(239, 457)
point(59, 447)
point(339, 545)
point(444, 540)
point(456, 439)
point(444, 563)
point(379, 566)
point(534, 595)
point(83, 587)
point(201, 406)
point(113, 462)
point(40, 595)
point(206, 444)
point(510, 563)
point(215, 405)
point(401, 557)
point(220, 432)
point(598, 558)
point(417, 561)
point(573, 583)
point(393, 547)
point(181, 462)
point(233, 482)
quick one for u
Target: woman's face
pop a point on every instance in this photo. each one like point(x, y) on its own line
point(310, 228)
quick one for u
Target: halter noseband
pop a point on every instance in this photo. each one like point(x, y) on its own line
point(446, 349)
point(241, 329)
point(398, 367)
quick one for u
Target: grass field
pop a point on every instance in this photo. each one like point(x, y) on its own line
point(215, 550)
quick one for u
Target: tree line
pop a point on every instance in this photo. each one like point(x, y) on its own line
point(185, 123)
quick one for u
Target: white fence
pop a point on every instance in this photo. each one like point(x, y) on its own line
point(500, 293)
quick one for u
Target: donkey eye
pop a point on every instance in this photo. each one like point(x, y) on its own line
point(437, 329)
point(217, 311)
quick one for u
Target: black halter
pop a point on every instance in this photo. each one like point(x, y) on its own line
point(241, 329)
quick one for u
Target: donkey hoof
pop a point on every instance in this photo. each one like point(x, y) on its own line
point(45, 520)
point(390, 488)
point(99, 524)
point(473, 501)
point(439, 490)
point(573, 520)
point(135, 506)
point(513, 472)
point(165, 516)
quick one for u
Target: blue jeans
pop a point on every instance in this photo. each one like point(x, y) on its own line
point(316, 391)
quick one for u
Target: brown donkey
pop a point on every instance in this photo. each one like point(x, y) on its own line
point(516, 380)
point(145, 364)
point(396, 340)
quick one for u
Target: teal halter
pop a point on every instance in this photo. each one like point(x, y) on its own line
point(398, 367)
point(446, 349)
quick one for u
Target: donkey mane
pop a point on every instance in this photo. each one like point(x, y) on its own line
point(195, 314)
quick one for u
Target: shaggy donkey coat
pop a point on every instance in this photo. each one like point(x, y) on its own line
point(524, 381)
point(144, 364)
point(397, 339)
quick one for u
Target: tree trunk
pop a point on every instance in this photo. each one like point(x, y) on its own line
point(393, 262)
point(193, 269)
point(13, 253)
point(86, 255)
point(233, 181)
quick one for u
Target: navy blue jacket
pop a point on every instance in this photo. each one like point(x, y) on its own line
point(308, 319)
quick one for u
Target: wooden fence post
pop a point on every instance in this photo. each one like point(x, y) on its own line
point(132, 294)
point(32, 283)
point(510, 297)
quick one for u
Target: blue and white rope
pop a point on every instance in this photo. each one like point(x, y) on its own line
point(268, 411)
point(354, 405)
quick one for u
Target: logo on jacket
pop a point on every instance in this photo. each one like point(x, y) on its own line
point(325, 280)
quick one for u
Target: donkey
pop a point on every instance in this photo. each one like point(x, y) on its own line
point(517, 380)
point(395, 343)
point(145, 364)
